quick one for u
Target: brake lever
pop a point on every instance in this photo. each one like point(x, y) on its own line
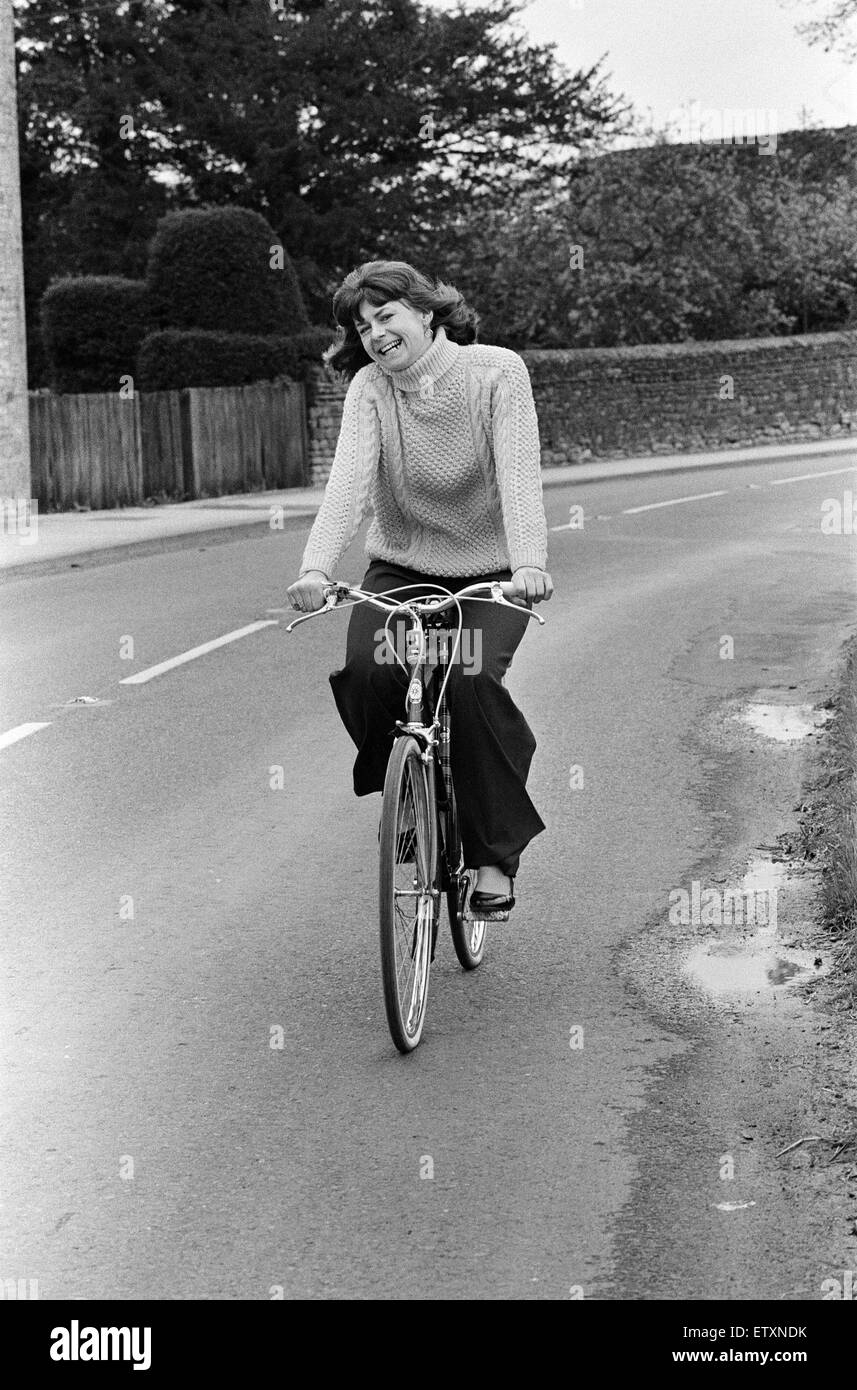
point(522, 608)
point(304, 618)
point(497, 596)
point(334, 595)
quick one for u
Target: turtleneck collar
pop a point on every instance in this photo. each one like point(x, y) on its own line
point(435, 361)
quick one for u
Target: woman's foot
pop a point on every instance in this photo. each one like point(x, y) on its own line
point(489, 879)
point(491, 899)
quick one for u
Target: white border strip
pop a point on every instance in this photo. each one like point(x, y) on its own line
point(140, 677)
point(21, 731)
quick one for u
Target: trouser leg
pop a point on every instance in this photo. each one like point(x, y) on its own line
point(370, 689)
point(492, 744)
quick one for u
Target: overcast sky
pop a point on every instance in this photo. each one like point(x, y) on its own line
point(733, 54)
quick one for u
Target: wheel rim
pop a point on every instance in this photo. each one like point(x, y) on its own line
point(414, 902)
point(474, 927)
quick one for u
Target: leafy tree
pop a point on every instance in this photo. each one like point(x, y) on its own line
point(666, 244)
point(648, 245)
point(363, 128)
point(90, 199)
point(356, 127)
point(836, 28)
point(809, 256)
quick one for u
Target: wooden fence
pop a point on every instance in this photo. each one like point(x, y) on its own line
point(103, 450)
point(85, 451)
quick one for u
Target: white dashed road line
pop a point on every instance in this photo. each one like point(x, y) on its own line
point(140, 677)
point(21, 731)
point(804, 477)
point(700, 496)
point(674, 501)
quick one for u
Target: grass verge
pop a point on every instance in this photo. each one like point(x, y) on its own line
point(828, 822)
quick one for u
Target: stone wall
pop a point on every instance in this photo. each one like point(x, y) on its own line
point(671, 398)
point(598, 403)
point(324, 416)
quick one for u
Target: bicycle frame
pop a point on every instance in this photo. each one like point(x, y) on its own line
point(420, 611)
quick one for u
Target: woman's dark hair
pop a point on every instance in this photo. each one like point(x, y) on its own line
point(381, 281)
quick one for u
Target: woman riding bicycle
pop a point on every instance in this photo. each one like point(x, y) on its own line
point(439, 437)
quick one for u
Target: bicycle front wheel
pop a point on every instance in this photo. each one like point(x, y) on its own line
point(408, 891)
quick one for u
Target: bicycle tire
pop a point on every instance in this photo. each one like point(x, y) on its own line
point(468, 935)
point(407, 914)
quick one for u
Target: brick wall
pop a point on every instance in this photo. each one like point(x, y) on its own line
point(596, 403)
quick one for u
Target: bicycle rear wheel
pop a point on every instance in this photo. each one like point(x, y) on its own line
point(468, 935)
point(408, 891)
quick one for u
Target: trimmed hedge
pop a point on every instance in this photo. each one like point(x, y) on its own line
point(92, 327)
point(305, 350)
point(171, 359)
point(210, 268)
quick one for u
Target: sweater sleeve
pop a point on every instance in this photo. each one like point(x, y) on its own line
point(517, 456)
point(346, 496)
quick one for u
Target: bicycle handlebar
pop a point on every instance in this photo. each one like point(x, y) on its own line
point(500, 591)
point(428, 603)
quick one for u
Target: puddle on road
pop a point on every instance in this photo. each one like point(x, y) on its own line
point(747, 969)
point(760, 960)
point(784, 723)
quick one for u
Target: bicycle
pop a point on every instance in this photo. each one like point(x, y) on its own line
point(420, 852)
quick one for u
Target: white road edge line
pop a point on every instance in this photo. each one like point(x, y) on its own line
point(674, 501)
point(140, 677)
point(802, 477)
point(21, 731)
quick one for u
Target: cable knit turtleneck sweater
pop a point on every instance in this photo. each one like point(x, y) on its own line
point(446, 453)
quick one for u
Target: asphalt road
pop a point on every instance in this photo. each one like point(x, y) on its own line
point(200, 1098)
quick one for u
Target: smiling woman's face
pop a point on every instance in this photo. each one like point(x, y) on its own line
point(393, 334)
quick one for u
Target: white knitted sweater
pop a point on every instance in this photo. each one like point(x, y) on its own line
point(446, 453)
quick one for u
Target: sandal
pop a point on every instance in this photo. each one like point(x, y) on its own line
point(491, 907)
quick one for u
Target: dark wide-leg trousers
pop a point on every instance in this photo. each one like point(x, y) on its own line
point(492, 744)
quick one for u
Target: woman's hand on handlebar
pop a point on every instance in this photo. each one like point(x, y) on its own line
point(307, 593)
point(531, 583)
